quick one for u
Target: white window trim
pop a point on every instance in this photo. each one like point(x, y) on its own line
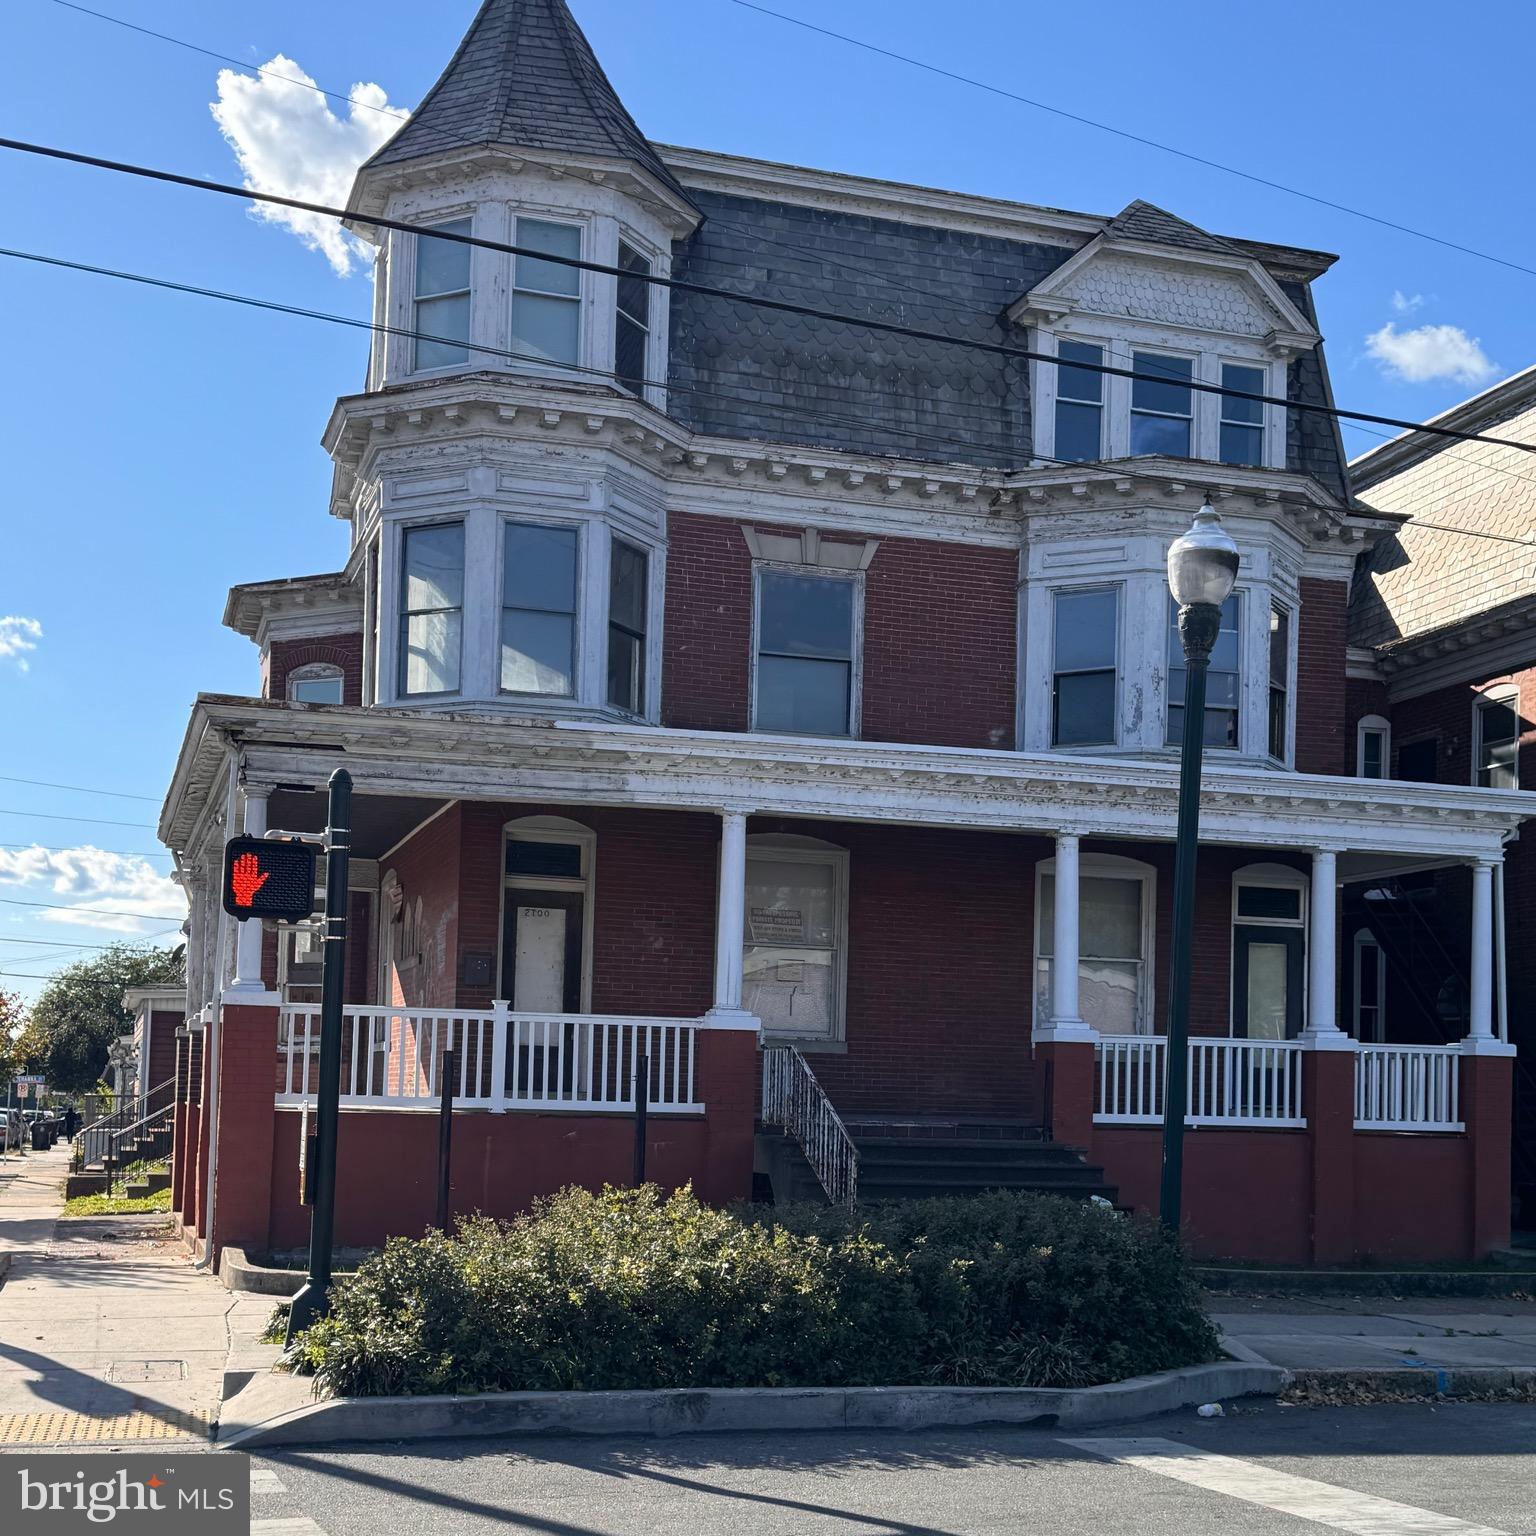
point(1364, 727)
point(1493, 694)
point(658, 316)
point(1184, 354)
point(1209, 353)
point(793, 848)
point(1252, 684)
point(549, 829)
point(1071, 589)
point(643, 712)
point(1275, 877)
point(389, 637)
point(440, 216)
point(1363, 938)
point(581, 641)
point(856, 651)
point(584, 298)
point(1292, 652)
point(1106, 357)
point(313, 672)
point(1111, 866)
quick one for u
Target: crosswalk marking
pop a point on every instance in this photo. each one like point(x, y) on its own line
point(296, 1525)
point(265, 1480)
point(1363, 1514)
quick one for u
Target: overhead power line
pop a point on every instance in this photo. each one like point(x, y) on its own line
point(77, 789)
point(1117, 467)
point(782, 306)
point(1138, 138)
point(66, 948)
point(116, 853)
point(90, 820)
point(59, 906)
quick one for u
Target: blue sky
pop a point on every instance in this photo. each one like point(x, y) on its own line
point(161, 448)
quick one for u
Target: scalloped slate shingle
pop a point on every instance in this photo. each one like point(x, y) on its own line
point(525, 77)
point(1146, 221)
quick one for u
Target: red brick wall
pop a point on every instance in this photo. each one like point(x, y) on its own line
point(1321, 641)
point(163, 1025)
point(939, 642)
point(427, 868)
point(285, 656)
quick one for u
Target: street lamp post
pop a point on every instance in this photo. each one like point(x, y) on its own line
point(1202, 567)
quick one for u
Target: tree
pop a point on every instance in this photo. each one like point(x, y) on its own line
point(80, 1012)
point(13, 1020)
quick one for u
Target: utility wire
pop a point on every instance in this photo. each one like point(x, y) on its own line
point(116, 853)
point(1116, 468)
point(58, 906)
point(93, 820)
point(78, 789)
point(782, 306)
point(1137, 138)
point(66, 948)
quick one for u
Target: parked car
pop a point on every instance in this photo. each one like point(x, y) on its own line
point(13, 1129)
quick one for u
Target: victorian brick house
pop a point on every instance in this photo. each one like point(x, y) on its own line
point(795, 706)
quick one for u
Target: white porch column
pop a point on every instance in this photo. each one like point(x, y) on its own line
point(1480, 989)
point(1322, 1031)
point(1066, 1022)
point(730, 924)
point(248, 934)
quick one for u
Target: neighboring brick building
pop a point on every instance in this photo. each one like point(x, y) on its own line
point(1443, 676)
point(776, 701)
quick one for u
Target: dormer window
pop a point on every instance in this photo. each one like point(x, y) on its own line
point(318, 683)
point(1242, 421)
point(632, 319)
point(1162, 415)
point(440, 317)
point(1079, 403)
point(546, 295)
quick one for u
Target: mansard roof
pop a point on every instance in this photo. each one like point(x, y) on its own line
point(524, 78)
point(1156, 226)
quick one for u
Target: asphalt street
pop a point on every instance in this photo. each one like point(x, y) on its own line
point(1454, 1470)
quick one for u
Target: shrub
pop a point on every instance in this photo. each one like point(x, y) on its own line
point(632, 1289)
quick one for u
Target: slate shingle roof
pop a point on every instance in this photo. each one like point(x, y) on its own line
point(1146, 221)
point(526, 78)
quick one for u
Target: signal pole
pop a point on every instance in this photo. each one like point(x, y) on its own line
point(313, 1301)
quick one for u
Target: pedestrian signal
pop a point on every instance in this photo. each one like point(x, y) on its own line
point(274, 879)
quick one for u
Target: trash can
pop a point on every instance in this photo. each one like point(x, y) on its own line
point(39, 1136)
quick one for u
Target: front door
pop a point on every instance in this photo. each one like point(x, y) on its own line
point(1268, 968)
point(541, 972)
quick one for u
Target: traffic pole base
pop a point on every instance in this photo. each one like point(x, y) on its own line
point(308, 1306)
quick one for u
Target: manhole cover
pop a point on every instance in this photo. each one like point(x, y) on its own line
point(147, 1370)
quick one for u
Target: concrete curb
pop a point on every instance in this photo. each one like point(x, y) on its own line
point(241, 1274)
point(1365, 1282)
point(1420, 1381)
point(678, 1411)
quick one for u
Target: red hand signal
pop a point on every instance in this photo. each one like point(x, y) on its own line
point(247, 877)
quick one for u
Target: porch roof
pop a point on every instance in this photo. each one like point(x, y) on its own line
point(440, 756)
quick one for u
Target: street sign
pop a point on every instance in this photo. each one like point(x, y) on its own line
point(29, 1085)
point(269, 878)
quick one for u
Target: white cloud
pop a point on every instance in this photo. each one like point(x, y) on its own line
point(1406, 303)
point(91, 877)
point(1430, 352)
point(17, 637)
point(289, 142)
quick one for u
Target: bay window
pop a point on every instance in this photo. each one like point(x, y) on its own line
point(1084, 676)
point(1079, 402)
point(1242, 421)
point(1279, 679)
point(431, 608)
point(440, 313)
point(628, 569)
point(546, 295)
point(1162, 413)
point(1224, 679)
point(805, 654)
point(632, 319)
point(538, 609)
point(793, 962)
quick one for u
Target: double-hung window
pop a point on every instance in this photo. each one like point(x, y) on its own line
point(1497, 744)
point(538, 610)
point(431, 608)
point(1279, 679)
point(805, 654)
point(1112, 965)
point(632, 319)
point(1162, 413)
point(792, 965)
point(1223, 687)
point(440, 316)
point(628, 570)
point(1242, 421)
point(1079, 402)
point(1373, 754)
point(1083, 691)
point(546, 295)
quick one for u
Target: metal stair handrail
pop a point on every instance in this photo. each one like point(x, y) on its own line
point(793, 1099)
point(115, 1139)
point(94, 1141)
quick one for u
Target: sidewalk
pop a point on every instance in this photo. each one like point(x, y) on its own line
point(1378, 1333)
point(107, 1333)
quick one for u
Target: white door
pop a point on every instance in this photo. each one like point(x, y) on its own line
point(538, 984)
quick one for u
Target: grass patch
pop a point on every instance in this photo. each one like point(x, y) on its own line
point(633, 1289)
point(118, 1205)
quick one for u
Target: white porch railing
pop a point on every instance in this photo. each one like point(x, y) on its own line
point(392, 1058)
point(1408, 1088)
point(792, 1098)
point(1253, 1083)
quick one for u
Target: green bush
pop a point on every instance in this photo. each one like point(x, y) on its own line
point(632, 1289)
